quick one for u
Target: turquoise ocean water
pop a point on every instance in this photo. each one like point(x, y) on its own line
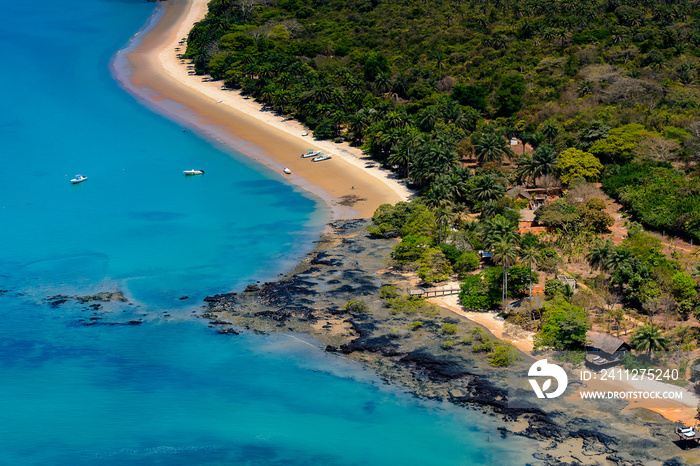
point(169, 391)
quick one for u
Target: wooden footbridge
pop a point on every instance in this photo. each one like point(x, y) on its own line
point(434, 293)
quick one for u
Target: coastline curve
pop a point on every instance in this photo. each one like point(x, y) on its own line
point(149, 69)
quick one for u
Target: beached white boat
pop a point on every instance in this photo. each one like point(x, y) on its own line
point(287, 171)
point(78, 179)
point(321, 158)
point(311, 153)
point(193, 172)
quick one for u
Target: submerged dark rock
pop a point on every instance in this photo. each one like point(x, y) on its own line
point(435, 369)
point(220, 298)
point(103, 296)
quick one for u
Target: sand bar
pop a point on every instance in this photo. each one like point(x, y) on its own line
point(150, 69)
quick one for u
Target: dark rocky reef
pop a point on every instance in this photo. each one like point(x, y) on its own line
point(349, 265)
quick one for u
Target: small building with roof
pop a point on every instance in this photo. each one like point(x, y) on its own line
point(519, 193)
point(604, 350)
point(570, 282)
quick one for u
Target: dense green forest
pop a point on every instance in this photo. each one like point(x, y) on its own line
point(603, 90)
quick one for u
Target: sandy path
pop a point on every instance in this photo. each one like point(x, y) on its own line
point(151, 70)
point(682, 410)
point(518, 337)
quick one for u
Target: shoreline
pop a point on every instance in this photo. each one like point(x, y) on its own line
point(349, 265)
point(149, 69)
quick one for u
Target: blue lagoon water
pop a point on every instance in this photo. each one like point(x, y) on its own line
point(169, 391)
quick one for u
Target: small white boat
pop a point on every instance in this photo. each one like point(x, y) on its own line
point(78, 179)
point(304, 134)
point(287, 171)
point(321, 158)
point(311, 153)
point(193, 172)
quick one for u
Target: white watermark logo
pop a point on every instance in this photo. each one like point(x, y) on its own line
point(543, 369)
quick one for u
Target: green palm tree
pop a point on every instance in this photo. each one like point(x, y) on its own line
point(505, 252)
point(617, 257)
point(402, 158)
point(491, 147)
point(428, 118)
point(599, 255)
point(497, 229)
point(550, 130)
point(383, 81)
point(649, 338)
point(396, 120)
point(488, 188)
point(544, 161)
point(526, 169)
point(443, 217)
point(531, 255)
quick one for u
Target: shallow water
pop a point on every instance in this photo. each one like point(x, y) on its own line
point(168, 391)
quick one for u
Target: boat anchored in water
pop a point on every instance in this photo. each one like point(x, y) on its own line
point(311, 153)
point(321, 158)
point(78, 179)
point(193, 172)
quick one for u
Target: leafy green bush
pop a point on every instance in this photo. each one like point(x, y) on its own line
point(467, 262)
point(683, 286)
point(573, 357)
point(434, 267)
point(388, 220)
point(554, 287)
point(503, 355)
point(564, 326)
point(480, 292)
point(448, 344)
point(388, 292)
point(632, 361)
point(519, 280)
point(413, 326)
point(486, 345)
point(449, 329)
point(575, 163)
point(412, 305)
point(356, 307)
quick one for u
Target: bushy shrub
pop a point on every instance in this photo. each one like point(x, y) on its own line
point(356, 307)
point(434, 267)
point(486, 345)
point(448, 344)
point(412, 305)
point(503, 355)
point(388, 292)
point(467, 262)
point(413, 326)
point(449, 329)
point(554, 288)
point(476, 294)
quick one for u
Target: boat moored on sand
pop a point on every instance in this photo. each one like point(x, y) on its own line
point(311, 153)
point(321, 158)
point(287, 171)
